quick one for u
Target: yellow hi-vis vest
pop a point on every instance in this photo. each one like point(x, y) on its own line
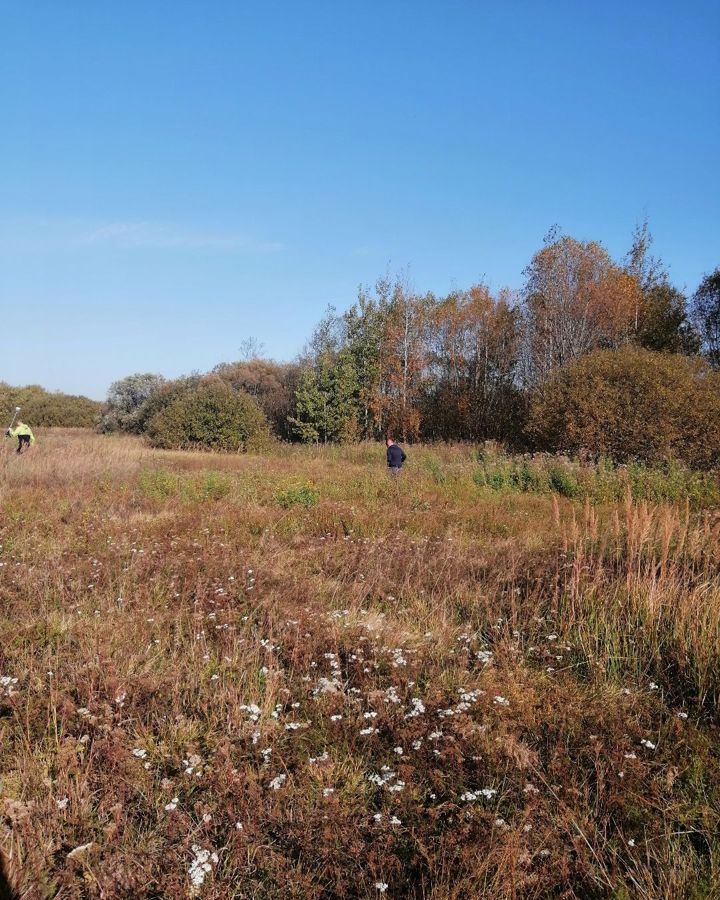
point(21, 429)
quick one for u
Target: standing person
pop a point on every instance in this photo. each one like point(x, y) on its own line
point(24, 435)
point(395, 456)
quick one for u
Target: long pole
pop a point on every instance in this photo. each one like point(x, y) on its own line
point(17, 410)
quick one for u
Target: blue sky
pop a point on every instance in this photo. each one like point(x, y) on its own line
point(178, 176)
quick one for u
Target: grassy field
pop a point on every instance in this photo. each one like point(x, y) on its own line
point(293, 677)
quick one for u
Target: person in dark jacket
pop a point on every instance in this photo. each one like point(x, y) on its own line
point(395, 456)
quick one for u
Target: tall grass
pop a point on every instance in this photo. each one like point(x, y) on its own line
point(601, 481)
point(291, 676)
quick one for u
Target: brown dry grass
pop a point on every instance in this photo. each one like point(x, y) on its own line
point(181, 606)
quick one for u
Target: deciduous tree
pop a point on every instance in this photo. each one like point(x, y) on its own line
point(706, 314)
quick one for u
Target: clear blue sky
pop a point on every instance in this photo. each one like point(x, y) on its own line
point(177, 176)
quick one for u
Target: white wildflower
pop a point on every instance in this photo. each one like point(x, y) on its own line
point(253, 711)
point(83, 848)
point(471, 796)
point(7, 684)
point(200, 867)
point(418, 708)
point(278, 782)
point(398, 659)
point(391, 695)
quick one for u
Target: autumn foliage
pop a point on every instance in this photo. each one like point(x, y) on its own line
point(631, 404)
point(594, 354)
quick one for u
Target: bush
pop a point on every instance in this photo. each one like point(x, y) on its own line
point(563, 481)
point(45, 409)
point(601, 482)
point(631, 404)
point(210, 416)
point(128, 403)
point(272, 385)
point(436, 470)
point(208, 486)
point(301, 495)
point(159, 484)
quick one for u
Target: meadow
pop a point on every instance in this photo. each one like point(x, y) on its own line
point(290, 676)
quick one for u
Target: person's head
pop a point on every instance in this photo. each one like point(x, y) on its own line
point(389, 441)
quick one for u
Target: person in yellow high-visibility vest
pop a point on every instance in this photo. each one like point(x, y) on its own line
point(24, 435)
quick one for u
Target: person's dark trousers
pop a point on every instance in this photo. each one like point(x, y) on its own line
point(23, 441)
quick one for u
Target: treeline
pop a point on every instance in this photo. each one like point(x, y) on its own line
point(592, 354)
point(48, 409)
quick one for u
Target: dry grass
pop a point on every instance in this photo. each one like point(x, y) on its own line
point(219, 659)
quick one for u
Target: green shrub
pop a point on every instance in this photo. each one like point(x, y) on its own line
point(630, 405)
point(41, 408)
point(300, 495)
point(210, 416)
point(479, 477)
point(493, 478)
point(563, 481)
point(158, 484)
point(530, 477)
point(208, 486)
point(436, 470)
point(601, 482)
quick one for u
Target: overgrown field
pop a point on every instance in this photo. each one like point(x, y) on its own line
point(292, 677)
